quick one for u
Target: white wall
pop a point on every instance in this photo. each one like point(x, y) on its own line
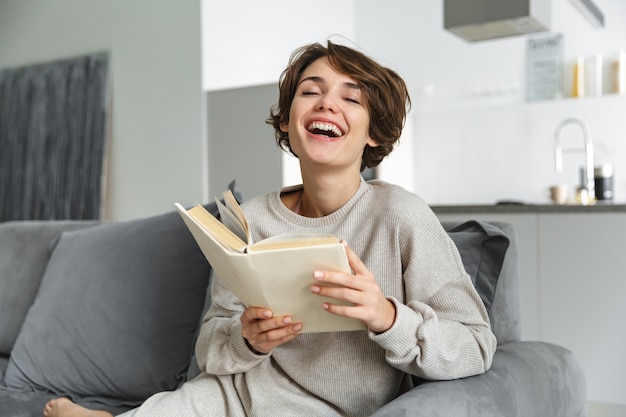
point(157, 148)
point(249, 42)
point(471, 149)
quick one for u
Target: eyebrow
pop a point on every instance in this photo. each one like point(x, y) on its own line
point(320, 80)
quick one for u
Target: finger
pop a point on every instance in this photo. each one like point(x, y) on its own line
point(256, 313)
point(274, 323)
point(288, 337)
point(355, 262)
point(256, 326)
point(332, 277)
point(280, 333)
point(267, 341)
point(343, 293)
point(340, 279)
point(341, 310)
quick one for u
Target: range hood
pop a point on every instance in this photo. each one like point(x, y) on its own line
point(479, 20)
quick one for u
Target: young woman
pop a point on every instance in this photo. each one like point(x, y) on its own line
point(338, 112)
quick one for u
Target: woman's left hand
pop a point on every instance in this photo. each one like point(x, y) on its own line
point(370, 304)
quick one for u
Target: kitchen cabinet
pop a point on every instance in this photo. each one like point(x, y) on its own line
point(573, 288)
point(582, 270)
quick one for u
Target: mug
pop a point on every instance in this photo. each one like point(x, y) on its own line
point(559, 193)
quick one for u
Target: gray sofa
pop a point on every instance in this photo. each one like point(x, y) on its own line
point(107, 314)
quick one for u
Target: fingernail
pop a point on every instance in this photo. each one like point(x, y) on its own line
point(297, 327)
point(318, 274)
point(287, 320)
point(267, 314)
point(315, 289)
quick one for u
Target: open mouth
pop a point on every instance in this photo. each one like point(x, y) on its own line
point(325, 129)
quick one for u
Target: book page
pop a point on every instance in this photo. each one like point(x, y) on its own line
point(213, 226)
point(293, 240)
point(233, 269)
point(230, 220)
point(233, 206)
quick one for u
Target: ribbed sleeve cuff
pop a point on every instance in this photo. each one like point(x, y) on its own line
point(240, 347)
point(401, 337)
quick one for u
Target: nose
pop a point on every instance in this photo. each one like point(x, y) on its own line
point(326, 102)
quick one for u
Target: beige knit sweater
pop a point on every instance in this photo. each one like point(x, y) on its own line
point(441, 329)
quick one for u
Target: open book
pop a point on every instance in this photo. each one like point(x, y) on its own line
point(276, 272)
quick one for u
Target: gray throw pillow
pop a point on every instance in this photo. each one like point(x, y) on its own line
point(482, 247)
point(25, 248)
point(116, 315)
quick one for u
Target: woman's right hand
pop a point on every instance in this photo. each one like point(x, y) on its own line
point(264, 332)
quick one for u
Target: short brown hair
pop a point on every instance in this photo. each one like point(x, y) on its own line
point(386, 96)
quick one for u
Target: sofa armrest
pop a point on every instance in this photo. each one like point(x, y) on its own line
point(526, 379)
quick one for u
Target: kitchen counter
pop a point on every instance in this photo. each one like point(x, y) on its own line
point(529, 208)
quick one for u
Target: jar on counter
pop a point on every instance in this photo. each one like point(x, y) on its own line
point(619, 74)
point(603, 178)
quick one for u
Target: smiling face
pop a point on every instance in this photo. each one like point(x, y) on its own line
point(328, 120)
point(386, 95)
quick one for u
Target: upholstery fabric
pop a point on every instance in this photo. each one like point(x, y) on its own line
point(17, 403)
point(489, 251)
point(4, 362)
point(482, 247)
point(116, 315)
point(506, 310)
point(526, 379)
point(25, 248)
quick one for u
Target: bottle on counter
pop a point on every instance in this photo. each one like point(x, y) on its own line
point(578, 86)
point(593, 75)
point(603, 178)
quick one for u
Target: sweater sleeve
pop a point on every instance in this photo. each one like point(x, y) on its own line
point(220, 348)
point(442, 328)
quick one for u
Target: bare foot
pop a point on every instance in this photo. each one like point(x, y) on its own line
point(62, 407)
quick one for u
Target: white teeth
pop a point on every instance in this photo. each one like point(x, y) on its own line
point(327, 127)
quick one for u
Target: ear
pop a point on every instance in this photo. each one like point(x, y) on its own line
point(372, 143)
point(284, 127)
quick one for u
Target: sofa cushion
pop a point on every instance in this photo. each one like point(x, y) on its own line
point(15, 403)
point(25, 248)
point(482, 247)
point(116, 315)
point(4, 362)
point(488, 243)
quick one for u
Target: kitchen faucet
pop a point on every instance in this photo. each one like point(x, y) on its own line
point(588, 180)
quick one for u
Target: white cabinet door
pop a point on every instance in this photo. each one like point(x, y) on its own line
point(583, 295)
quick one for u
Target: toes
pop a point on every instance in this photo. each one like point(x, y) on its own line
point(47, 410)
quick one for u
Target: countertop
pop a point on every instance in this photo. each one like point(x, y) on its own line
point(522, 208)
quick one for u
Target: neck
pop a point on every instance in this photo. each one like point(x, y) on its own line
point(322, 196)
